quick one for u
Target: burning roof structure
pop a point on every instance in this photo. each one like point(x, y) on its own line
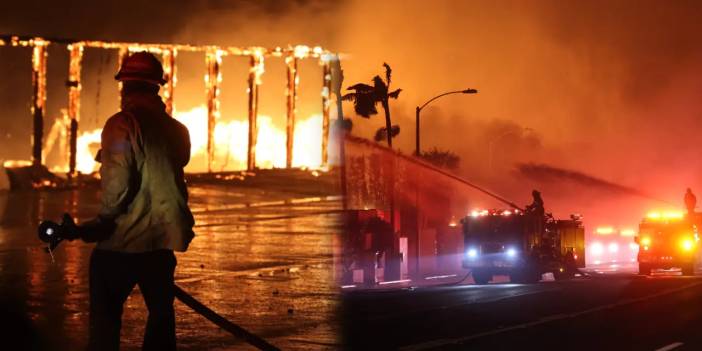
point(81, 160)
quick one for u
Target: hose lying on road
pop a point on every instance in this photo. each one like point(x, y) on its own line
point(222, 322)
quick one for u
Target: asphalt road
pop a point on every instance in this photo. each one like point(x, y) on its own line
point(611, 311)
point(261, 258)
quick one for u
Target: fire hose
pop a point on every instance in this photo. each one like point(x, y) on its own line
point(222, 322)
point(53, 234)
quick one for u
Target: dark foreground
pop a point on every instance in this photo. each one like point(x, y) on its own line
point(615, 311)
point(262, 258)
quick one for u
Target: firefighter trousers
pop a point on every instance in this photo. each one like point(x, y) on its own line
point(113, 276)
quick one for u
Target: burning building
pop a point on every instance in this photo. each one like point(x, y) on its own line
point(216, 144)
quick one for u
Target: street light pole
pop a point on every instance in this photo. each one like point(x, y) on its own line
point(418, 110)
point(416, 128)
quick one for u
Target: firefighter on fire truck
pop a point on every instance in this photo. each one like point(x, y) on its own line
point(537, 206)
point(537, 212)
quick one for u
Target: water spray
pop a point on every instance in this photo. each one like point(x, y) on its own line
point(543, 172)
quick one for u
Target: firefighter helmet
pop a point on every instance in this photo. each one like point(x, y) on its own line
point(142, 66)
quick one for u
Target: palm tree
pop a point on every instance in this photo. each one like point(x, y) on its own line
point(365, 98)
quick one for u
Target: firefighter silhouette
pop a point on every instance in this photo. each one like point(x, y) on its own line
point(537, 214)
point(690, 201)
point(537, 206)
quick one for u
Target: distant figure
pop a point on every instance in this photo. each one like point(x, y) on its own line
point(690, 201)
point(536, 209)
point(537, 206)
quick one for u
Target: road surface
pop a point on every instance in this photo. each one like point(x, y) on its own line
point(604, 311)
point(262, 258)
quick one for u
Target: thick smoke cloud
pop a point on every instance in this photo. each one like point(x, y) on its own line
point(610, 89)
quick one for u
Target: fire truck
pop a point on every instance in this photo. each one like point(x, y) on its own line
point(668, 240)
point(522, 245)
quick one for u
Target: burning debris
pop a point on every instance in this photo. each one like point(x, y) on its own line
point(302, 147)
point(26, 176)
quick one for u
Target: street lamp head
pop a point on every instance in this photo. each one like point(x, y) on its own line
point(470, 91)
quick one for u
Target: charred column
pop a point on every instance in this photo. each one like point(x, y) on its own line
point(255, 72)
point(326, 107)
point(293, 80)
point(169, 70)
point(213, 78)
point(38, 97)
point(337, 79)
point(74, 89)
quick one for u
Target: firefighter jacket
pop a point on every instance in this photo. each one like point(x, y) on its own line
point(144, 194)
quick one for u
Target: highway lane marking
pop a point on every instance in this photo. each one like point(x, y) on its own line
point(670, 347)
point(459, 340)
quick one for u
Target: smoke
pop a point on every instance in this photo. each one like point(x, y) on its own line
point(548, 174)
point(611, 87)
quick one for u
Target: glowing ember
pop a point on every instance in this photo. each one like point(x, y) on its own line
point(16, 163)
point(301, 51)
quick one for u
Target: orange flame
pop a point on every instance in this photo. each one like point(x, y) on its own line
point(231, 140)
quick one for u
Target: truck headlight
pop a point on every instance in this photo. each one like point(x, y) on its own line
point(472, 253)
point(511, 252)
point(597, 249)
point(613, 247)
point(687, 244)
